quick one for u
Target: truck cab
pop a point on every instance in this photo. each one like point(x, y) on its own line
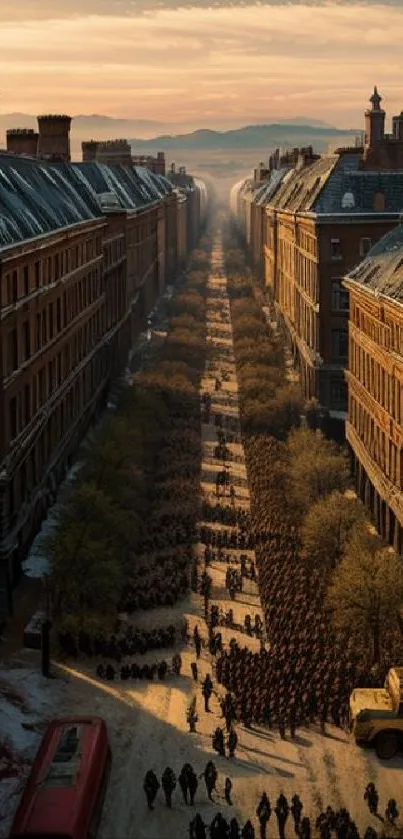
point(376, 715)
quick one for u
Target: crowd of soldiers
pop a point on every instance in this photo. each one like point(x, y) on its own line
point(306, 675)
point(159, 670)
point(125, 641)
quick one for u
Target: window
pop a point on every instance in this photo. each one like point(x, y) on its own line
point(26, 339)
point(335, 249)
point(37, 274)
point(58, 314)
point(340, 297)
point(27, 404)
point(12, 351)
point(338, 394)
point(12, 409)
point(14, 287)
point(379, 202)
point(365, 245)
point(26, 281)
point(348, 201)
point(339, 343)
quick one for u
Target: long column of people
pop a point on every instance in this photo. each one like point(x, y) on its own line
point(212, 743)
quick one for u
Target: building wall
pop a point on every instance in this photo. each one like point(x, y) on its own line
point(304, 265)
point(375, 410)
point(54, 370)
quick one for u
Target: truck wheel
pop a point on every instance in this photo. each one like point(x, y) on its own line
point(386, 745)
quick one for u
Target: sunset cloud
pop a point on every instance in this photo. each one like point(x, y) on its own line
point(186, 62)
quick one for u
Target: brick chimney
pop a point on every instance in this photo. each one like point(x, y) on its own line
point(89, 149)
point(54, 137)
point(22, 141)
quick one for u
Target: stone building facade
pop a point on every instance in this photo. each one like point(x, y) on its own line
point(321, 221)
point(374, 428)
point(85, 251)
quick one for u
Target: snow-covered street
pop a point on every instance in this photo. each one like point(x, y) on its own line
point(147, 719)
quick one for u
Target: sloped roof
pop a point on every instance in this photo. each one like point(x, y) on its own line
point(382, 270)
point(335, 184)
point(38, 198)
point(301, 189)
point(269, 188)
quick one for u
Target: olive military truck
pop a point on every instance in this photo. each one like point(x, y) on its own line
point(376, 715)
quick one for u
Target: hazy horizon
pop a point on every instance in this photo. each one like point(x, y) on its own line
point(217, 64)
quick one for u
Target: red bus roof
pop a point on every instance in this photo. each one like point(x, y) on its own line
point(64, 780)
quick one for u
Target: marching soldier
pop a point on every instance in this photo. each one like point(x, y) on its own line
point(183, 782)
point(218, 741)
point(234, 829)
point(168, 781)
point(372, 798)
point(210, 778)
point(197, 828)
point(227, 791)
point(151, 786)
point(281, 811)
point(192, 783)
point(232, 742)
point(207, 690)
point(296, 810)
point(263, 813)
point(193, 668)
point(248, 831)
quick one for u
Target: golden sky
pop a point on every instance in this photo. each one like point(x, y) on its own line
point(203, 63)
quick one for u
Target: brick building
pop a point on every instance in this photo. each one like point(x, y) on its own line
point(85, 250)
point(322, 220)
point(195, 193)
point(374, 428)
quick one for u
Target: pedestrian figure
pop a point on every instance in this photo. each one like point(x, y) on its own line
point(177, 664)
point(281, 811)
point(296, 810)
point(305, 829)
point(197, 828)
point(168, 781)
point(218, 741)
point(151, 786)
point(193, 668)
point(191, 716)
point(234, 829)
point(192, 783)
point(232, 742)
point(218, 827)
point(370, 833)
point(210, 778)
point(391, 812)
point(183, 783)
point(372, 798)
point(248, 831)
point(227, 791)
point(263, 813)
point(207, 690)
point(197, 641)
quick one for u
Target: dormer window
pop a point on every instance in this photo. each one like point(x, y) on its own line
point(335, 249)
point(348, 201)
point(379, 202)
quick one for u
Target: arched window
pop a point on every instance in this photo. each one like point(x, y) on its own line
point(348, 201)
point(379, 202)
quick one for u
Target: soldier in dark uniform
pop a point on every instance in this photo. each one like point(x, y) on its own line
point(151, 786)
point(296, 810)
point(193, 668)
point(232, 742)
point(218, 741)
point(197, 828)
point(227, 791)
point(192, 782)
point(248, 831)
point(281, 811)
point(177, 664)
point(234, 829)
point(372, 798)
point(305, 829)
point(207, 690)
point(168, 782)
point(263, 813)
point(183, 783)
point(391, 812)
point(210, 778)
point(218, 827)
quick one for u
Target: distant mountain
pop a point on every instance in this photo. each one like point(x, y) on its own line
point(249, 137)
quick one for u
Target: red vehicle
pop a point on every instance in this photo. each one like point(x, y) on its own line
point(65, 791)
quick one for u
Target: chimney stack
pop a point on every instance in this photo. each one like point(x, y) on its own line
point(22, 141)
point(54, 137)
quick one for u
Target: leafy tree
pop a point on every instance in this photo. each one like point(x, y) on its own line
point(366, 593)
point(317, 467)
point(327, 528)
